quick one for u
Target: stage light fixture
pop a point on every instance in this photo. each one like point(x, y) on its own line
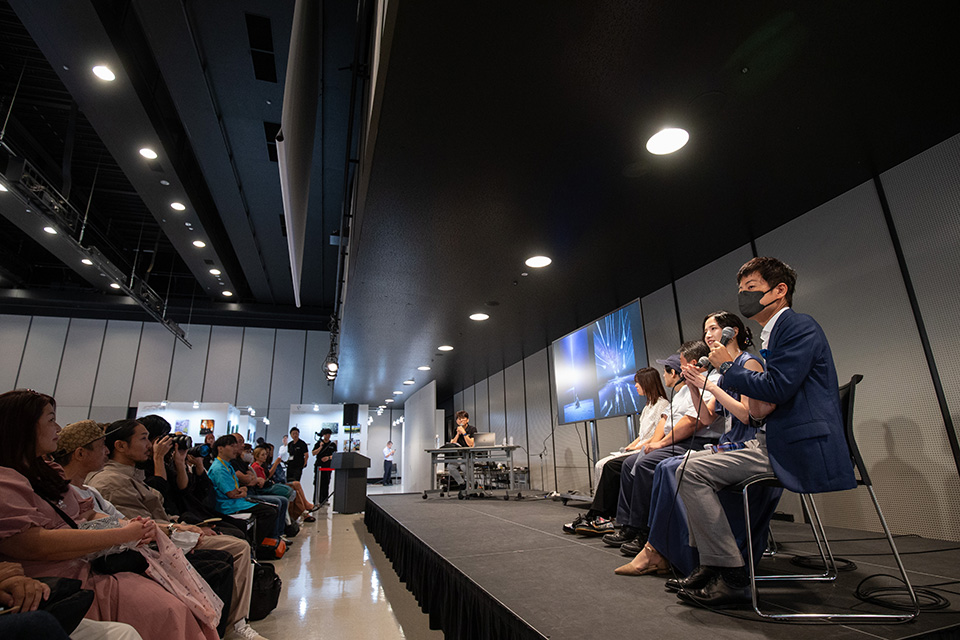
point(667, 141)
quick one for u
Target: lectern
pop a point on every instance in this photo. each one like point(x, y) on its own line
point(350, 482)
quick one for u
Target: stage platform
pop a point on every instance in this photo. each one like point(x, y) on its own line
point(502, 570)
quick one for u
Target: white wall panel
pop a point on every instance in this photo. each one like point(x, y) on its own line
point(256, 363)
point(540, 421)
point(495, 397)
point(708, 289)
point(81, 356)
point(660, 325)
point(118, 360)
point(315, 386)
point(223, 365)
point(848, 279)
point(420, 425)
point(287, 380)
point(42, 354)
point(186, 372)
point(152, 375)
point(13, 340)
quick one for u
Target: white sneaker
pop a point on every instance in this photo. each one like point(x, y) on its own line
point(243, 631)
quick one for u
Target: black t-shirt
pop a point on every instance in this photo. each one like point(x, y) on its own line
point(296, 450)
point(471, 431)
point(326, 449)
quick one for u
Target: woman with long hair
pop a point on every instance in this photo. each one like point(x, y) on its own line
point(668, 540)
point(38, 520)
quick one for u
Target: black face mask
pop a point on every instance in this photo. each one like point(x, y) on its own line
point(749, 302)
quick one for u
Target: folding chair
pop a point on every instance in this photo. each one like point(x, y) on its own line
point(829, 574)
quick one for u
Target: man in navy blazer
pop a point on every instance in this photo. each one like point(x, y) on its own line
point(802, 442)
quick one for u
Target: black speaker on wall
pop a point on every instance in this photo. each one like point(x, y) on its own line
point(351, 414)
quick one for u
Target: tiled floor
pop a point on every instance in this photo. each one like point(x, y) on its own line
point(338, 584)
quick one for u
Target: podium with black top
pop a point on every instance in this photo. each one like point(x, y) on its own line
point(349, 482)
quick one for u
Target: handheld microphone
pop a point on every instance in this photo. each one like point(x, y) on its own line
point(725, 337)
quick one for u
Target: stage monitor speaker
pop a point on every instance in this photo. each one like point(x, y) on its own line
point(351, 414)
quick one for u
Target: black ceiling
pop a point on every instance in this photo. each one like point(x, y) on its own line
point(500, 130)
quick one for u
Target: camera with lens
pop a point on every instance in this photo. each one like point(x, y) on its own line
point(199, 451)
point(181, 441)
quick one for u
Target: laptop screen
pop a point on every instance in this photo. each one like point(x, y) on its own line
point(488, 439)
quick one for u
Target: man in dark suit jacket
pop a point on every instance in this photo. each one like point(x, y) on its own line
point(803, 441)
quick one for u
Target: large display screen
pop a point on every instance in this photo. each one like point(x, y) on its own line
point(594, 367)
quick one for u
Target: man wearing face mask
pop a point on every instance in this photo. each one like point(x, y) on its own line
point(802, 441)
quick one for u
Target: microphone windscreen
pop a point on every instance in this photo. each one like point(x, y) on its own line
point(703, 362)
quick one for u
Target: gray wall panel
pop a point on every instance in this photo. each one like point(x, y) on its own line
point(497, 417)
point(80, 358)
point(848, 279)
point(42, 354)
point(660, 325)
point(118, 360)
point(480, 416)
point(152, 374)
point(315, 386)
point(469, 402)
point(458, 401)
point(255, 364)
point(186, 372)
point(710, 289)
point(280, 425)
point(540, 421)
point(13, 340)
point(287, 380)
point(612, 433)
point(223, 365)
point(516, 412)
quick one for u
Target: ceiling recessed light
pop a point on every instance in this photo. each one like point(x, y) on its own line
point(215, 272)
point(444, 347)
point(398, 393)
point(104, 73)
point(537, 262)
point(3, 187)
point(114, 285)
point(50, 230)
point(199, 244)
point(479, 317)
point(178, 206)
point(226, 293)
point(165, 183)
point(148, 153)
point(667, 141)
point(388, 400)
point(423, 368)
point(408, 382)
point(87, 261)
point(382, 406)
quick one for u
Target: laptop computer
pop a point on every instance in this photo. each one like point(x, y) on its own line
point(486, 439)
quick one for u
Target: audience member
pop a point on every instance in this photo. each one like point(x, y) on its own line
point(323, 453)
point(231, 497)
point(248, 479)
point(38, 517)
point(299, 454)
point(266, 471)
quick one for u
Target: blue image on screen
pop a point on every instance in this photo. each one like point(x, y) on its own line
point(615, 354)
point(575, 377)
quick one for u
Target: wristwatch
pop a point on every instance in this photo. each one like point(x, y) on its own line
point(723, 368)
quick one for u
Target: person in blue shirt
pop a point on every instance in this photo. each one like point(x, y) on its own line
point(231, 496)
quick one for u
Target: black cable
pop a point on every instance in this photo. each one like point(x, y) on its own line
point(816, 562)
point(893, 597)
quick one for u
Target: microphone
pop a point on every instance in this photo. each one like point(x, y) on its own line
point(725, 337)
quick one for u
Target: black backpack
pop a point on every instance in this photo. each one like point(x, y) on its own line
point(266, 591)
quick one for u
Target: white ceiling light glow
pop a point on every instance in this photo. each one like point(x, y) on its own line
point(215, 272)
point(538, 262)
point(148, 153)
point(114, 285)
point(398, 393)
point(667, 141)
point(423, 368)
point(87, 261)
point(3, 188)
point(479, 317)
point(104, 73)
point(388, 400)
point(409, 382)
point(444, 347)
point(226, 293)
point(50, 230)
point(199, 244)
point(178, 206)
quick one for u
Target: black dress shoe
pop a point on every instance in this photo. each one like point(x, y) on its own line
point(632, 548)
point(616, 539)
point(697, 579)
point(717, 595)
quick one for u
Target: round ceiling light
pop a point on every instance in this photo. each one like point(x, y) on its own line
point(226, 293)
point(444, 347)
point(178, 206)
point(215, 272)
point(3, 187)
point(104, 73)
point(409, 382)
point(50, 230)
point(479, 317)
point(388, 400)
point(148, 153)
point(537, 262)
point(398, 393)
point(114, 285)
point(667, 141)
point(87, 261)
point(423, 368)
point(199, 244)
